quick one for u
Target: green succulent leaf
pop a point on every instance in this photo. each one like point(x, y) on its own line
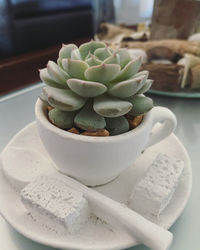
point(114, 59)
point(89, 55)
point(117, 125)
point(43, 98)
point(75, 68)
point(62, 119)
point(59, 62)
point(102, 53)
point(129, 70)
point(65, 52)
point(86, 88)
point(93, 61)
point(63, 99)
point(124, 56)
point(90, 47)
point(56, 73)
point(88, 120)
point(145, 87)
point(102, 73)
point(127, 88)
point(75, 54)
point(141, 73)
point(45, 77)
point(141, 104)
point(109, 106)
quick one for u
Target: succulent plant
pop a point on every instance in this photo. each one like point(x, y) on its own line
point(93, 87)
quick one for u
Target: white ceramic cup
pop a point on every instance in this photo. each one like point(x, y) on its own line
point(98, 160)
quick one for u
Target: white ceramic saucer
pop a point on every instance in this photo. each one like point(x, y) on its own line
point(96, 234)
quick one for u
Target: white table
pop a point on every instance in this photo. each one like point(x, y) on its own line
point(17, 110)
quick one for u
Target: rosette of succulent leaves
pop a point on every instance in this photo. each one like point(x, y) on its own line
point(92, 87)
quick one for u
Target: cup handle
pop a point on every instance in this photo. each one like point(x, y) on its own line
point(168, 125)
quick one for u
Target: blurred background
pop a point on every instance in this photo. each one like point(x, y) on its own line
point(32, 31)
point(27, 25)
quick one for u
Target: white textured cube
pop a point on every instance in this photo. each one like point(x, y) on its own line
point(54, 204)
point(154, 191)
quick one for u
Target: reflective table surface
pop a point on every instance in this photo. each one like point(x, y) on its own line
point(17, 110)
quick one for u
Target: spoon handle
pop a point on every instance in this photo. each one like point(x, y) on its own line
point(116, 214)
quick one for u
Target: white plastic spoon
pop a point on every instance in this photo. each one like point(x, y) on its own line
point(116, 214)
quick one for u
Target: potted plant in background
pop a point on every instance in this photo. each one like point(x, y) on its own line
point(95, 91)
